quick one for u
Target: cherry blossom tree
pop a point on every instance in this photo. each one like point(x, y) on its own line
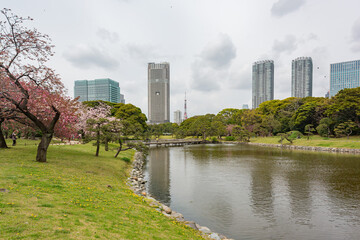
point(92, 122)
point(27, 84)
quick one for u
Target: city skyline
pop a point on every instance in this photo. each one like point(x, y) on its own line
point(211, 56)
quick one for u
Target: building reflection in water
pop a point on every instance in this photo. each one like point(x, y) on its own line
point(158, 169)
point(261, 189)
point(300, 194)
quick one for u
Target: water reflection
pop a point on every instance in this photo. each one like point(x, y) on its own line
point(159, 174)
point(300, 194)
point(248, 192)
point(261, 189)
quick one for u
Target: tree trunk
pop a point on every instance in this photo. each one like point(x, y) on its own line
point(106, 144)
point(2, 139)
point(43, 147)
point(97, 143)
point(119, 149)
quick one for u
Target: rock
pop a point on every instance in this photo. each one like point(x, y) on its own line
point(215, 236)
point(168, 215)
point(205, 230)
point(176, 215)
point(191, 224)
point(167, 209)
point(3, 190)
point(109, 186)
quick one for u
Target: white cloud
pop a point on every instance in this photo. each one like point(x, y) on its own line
point(219, 53)
point(106, 35)
point(288, 45)
point(84, 56)
point(283, 7)
point(211, 67)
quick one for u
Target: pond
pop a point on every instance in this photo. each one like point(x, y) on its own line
point(249, 192)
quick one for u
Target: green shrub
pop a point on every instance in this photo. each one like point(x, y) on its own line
point(295, 135)
point(125, 159)
point(229, 138)
point(214, 140)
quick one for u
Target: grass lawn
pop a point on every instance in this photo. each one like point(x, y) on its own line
point(75, 196)
point(316, 141)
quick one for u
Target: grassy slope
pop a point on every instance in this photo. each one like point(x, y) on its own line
point(317, 141)
point(69, 198)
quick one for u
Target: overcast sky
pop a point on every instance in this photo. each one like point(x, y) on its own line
point(210, 44)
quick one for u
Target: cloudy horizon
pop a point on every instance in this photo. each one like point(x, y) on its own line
point(210, 45)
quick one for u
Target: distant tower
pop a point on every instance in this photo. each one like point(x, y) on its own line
point(159, 92)
point(301, 77)
point(262, 82)
point(177, 117)
point(185, 108)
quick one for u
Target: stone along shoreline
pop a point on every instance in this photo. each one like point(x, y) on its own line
point(309, 148)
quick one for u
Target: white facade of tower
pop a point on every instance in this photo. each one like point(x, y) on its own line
point(262, 82)
point(158, 92)
point(301, 77)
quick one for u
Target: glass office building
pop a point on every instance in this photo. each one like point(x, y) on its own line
point(344, 75)
point(262, 82)
point(301, 77)
point(99, 89)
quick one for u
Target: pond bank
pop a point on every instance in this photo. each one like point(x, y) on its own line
point(309, 148)
point(137, 184)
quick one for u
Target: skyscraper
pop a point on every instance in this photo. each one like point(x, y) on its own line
point(301, 77)
point(99, 89)
point(177, 117)
point(344, 75)
point(262, 82)
point(159, 92)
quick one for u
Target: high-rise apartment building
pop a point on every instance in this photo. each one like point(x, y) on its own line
point(159, 92)
point(301, 77)
point(177, 117)
point(262, 82)
point(344, 75)
point(99, 89)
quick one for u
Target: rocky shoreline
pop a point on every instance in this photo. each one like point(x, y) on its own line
point(137, 184)
point(309, 148)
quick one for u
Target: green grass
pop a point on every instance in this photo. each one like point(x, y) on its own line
point(69, 197)
point(316, 141)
